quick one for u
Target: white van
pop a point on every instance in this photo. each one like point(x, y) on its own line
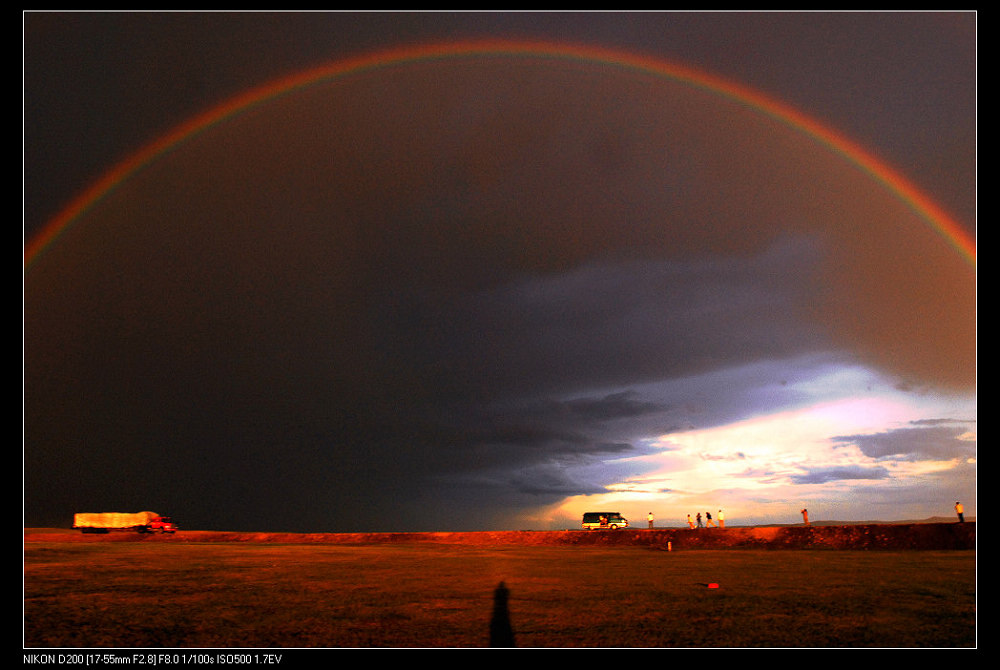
point(604, 520)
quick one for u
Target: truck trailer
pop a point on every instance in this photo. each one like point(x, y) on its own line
point(105, 522)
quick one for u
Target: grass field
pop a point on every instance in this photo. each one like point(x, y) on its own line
point(269, 595)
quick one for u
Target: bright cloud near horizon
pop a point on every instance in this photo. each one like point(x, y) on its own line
point(766, 468)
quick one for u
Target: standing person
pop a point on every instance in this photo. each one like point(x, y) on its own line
point(722, 519)
point(960, 511)
point(649, 517)
point(805, 516)
point(690, 522)
point(698, 517)
point(708, 520)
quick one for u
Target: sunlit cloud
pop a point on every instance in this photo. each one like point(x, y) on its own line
point(763, 469)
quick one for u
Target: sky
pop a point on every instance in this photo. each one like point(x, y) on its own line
point(488, 291)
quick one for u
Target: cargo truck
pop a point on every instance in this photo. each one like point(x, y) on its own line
point(105, 522)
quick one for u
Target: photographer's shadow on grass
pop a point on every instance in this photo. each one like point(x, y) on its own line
point(501, 631)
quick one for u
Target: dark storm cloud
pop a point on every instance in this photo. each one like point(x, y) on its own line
point(605, 325)
point(431, 297)
point(943, 422)
point(624, 404)
point(927, 442)
point(824, 475)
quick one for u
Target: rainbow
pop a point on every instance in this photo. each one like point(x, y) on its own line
point(946, 226)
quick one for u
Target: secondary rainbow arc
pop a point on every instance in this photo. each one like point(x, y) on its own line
point(952, 232)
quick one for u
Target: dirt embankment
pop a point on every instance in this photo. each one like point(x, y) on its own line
point(862, 537)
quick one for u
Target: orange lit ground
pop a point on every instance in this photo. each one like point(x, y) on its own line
point(565, 589)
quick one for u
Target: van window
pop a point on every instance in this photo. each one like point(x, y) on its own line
point(609, 520)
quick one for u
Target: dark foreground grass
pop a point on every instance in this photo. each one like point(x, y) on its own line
point(232, 595)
